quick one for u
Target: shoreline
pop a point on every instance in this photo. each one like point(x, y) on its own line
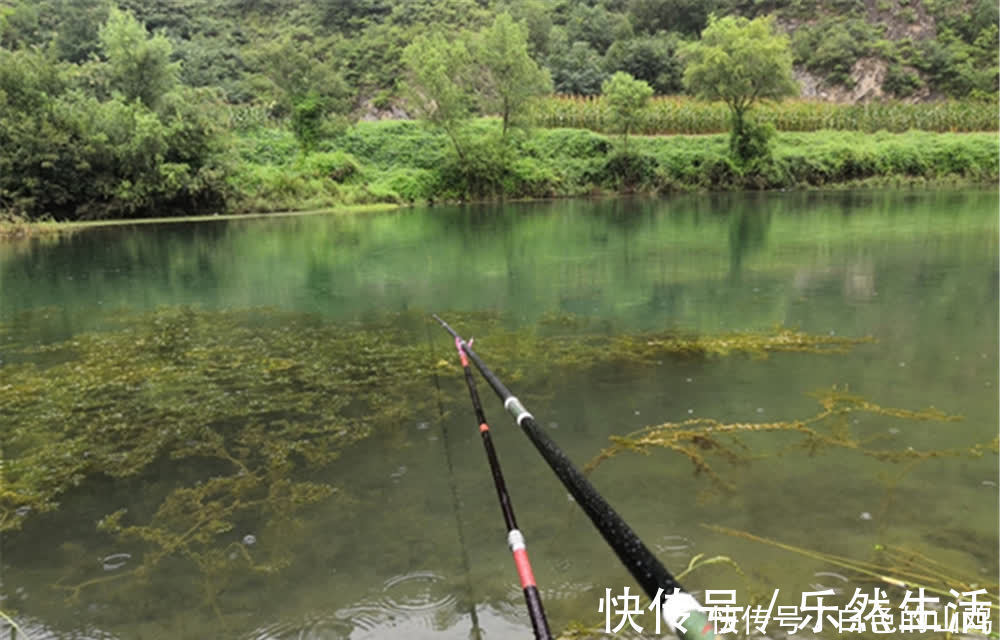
point(19, 230)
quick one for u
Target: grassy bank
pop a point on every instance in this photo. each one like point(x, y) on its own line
point(403, 162)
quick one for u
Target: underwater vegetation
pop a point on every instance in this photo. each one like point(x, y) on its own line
point(698, 438)
point(221, 421)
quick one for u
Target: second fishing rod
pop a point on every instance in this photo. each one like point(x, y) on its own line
point(515, 539)
point(677, 607)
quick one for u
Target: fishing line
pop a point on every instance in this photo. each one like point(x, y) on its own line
point(658, 583)
point(476, 633)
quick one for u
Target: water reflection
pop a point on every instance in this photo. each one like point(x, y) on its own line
point(916, 270)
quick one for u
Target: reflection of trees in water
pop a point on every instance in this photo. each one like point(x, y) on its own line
point(857, 279)
point(747, 235)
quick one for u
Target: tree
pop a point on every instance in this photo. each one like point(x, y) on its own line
point(649, 58)
point(304, 82)
point(511, 79)
point(627, 99)
point(576, 69)
point(686, 16)
point(139, 64)
point(596, 26)
point(740, 62)
point(438, 71)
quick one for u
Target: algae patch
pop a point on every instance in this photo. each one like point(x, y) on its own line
point(208, 424)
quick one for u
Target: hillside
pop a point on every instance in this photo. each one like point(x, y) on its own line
point(845, 50)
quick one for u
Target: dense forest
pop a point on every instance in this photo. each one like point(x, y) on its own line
point(158, 106)
point(353, 48)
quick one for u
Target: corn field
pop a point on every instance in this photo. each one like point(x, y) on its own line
point(682, 115)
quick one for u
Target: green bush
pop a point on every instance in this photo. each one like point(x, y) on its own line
point(334, 165)
point(750, 141)
point(407, 184)
point(629, 170)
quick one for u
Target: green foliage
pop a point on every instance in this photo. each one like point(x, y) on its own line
point(750, 141)
point(438, 83)
point(596, 26)
point(740, 61)
point(649, 58)
point(78, 36)
point(627, 99)
point(70, 154)
point(901, 82)
point(628, 171)
point(301, 79)
point(687, 17)
point(307, 120)
point(577, 69)
point(832, 46)
point(139, 65)
point(510, 78)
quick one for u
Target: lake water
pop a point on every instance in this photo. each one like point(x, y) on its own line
point(412, 544)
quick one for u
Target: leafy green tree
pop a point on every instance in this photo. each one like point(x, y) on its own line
point(139, 64)
point(688, 17)
point(740, 62)
point(303, 82)
point(72, 155)
point(577, 69)
point(351, 15)
point(456, 14)
point(76, 37)
point(536, 16)
point(596, 26)
point(510, 78)
point(627, 99)
point(437, 86)
point(20, 25)
point(650, 58)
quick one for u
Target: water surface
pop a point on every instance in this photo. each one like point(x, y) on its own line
point(413, 545)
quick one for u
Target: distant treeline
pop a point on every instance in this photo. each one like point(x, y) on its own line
point(161, 107)
point(944, 48)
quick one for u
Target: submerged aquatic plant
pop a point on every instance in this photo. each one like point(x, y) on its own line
point(698, 438)
point(892, 565)
point(208, 423)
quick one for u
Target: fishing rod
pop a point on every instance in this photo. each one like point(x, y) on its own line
point(679, 609)
point(515, 540)
point(476, 633)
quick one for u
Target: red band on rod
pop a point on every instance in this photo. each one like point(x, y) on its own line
point(524, 569)
point(484, 427)
point(461, 352)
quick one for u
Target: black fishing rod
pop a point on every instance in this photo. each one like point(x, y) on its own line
point(677, 607)
point(515, 540)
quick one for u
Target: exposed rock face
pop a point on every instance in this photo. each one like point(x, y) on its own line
point(370, 112)
point(900, 19)
point(867, 77)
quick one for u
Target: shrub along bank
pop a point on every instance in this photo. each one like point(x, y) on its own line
point(403, 162)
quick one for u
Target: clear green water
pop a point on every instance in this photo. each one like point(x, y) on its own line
point(916, 271)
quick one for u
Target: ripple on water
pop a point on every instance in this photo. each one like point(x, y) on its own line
point(674, 548)
point(419, 591)
point(313, 628)
point(115, 561)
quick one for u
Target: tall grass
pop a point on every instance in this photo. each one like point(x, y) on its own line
point(683, 115)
